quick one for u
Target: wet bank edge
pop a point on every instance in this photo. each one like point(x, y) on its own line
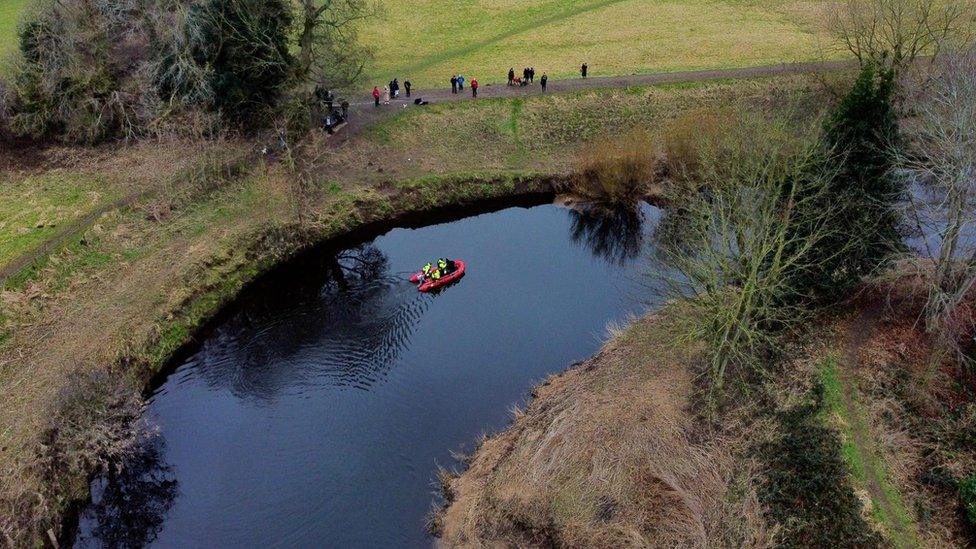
point(274, 250)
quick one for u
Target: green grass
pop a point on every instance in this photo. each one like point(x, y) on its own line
point(36, 208)
point(547, 132)
point(428, 40)
point(10, 11)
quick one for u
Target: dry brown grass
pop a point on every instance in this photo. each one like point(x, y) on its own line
point(607, 455)
point(684, 135)
point(620, 170)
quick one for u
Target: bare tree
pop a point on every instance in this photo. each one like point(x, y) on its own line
point(893, 33)
point(749, 240)
point(941, 159)
point(328, 50)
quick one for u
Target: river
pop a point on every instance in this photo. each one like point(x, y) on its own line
point(319, 410)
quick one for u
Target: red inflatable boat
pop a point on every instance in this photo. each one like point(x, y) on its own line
point(430, 284)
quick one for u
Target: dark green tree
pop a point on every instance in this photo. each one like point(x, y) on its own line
point(245, 45)
point(858, 135)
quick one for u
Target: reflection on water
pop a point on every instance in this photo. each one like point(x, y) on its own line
point(615, 235)
point(318, 413)
point(129, 505)
point(925, 215)
point(345, 330)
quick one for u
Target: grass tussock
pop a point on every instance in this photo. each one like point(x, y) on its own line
point(607, 456)
point(685, 135)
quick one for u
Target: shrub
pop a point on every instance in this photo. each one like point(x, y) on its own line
point(245, 43)
point(684, 138)
point(93, 425)
point(74, 81)
point(4, 110)
point(618, 171)
point(126, 68)
point(742, 252)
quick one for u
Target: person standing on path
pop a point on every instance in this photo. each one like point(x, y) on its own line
point(406, 86)
point(454, 84)
point(460, 82)
point(584, 69)
point(544, 81)
point(345, 109)
point(474, 87)
point(386, 95)
point(376, 96)
point(511, 76)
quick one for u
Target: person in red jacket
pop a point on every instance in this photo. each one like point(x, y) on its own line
point(474, 87)
point(376, 96)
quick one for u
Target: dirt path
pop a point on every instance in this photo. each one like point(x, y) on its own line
point(902, 530)
point(363, 114)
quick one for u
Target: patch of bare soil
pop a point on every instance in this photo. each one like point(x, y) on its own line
point(608, 455)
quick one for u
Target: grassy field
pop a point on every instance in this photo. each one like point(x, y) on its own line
point(9, 15)
point(428, 40)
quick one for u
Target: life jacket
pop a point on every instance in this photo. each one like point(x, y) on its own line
point(427, 268)
point(442, 263)
point(436, 275)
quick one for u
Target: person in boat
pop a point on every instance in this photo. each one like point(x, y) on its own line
point(446, 266)
point(427, 269)
point(435, 274)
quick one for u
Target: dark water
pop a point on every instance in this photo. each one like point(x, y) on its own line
point(318, 413)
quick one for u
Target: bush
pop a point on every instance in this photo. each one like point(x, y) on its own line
point(4, 110)
point(93, 425)
point(618, 171)
point(245, 43)
point(78, 75)
point(684, 138)
point(127, 68)
point(742, 249)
